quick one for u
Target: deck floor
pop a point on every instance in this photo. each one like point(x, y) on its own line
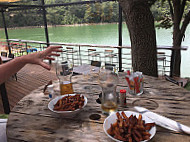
point(29, 78)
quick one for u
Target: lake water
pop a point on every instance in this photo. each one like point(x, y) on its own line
point(105, 34)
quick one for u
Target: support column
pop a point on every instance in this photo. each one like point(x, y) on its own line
point(4, 98)
point(6, 32)
point(45, 24)
point(120, 38)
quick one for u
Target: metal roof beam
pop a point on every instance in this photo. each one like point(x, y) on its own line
point(51, 5)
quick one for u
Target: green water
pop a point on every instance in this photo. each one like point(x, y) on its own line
point(106, 34)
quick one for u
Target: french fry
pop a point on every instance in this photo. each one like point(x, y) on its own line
point(131, 129)
point(135, 137)
point(130, 139)
point(138, 134)
point(69, 103)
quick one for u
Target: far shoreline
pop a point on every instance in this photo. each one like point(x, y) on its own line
point(49, 26)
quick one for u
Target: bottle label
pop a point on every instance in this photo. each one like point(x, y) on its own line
point(50, 96)
point(122, 99)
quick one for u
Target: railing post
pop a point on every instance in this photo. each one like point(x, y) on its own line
point(26, 47)
point(6, 33)
point(80, 56)
point(120, 38)
point(172, 62)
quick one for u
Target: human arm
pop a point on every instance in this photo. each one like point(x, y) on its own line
point(13, 66)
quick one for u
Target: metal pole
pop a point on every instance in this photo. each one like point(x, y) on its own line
point(172, 62)
point(4, 98)
point(45, 24)
point(120, 38)
point(6, 33)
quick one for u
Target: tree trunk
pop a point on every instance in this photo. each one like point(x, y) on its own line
point(176, 54)
point(140, 23)
point(177, 39)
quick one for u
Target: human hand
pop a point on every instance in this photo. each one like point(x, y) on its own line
point(38, 57)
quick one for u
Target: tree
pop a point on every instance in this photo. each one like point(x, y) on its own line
point(140, 23)
point(88, 13)
point(180, 19)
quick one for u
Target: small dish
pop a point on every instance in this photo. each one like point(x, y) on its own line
point(112, 119)
point(65, 113)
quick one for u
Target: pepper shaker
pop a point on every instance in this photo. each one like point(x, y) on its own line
point(122, 96)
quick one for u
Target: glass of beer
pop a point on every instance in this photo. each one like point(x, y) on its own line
point(64, 71)
point(108, 80)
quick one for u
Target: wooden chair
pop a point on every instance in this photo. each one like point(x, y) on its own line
point(96, 63)
point(162, 59)
point(93, 54)
point(73, 53)
point(3, 53)
point(110, 55)
point(110, 66)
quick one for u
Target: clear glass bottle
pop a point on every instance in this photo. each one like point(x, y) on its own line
point(108, 81)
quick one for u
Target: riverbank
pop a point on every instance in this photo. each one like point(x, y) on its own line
point(49, 26)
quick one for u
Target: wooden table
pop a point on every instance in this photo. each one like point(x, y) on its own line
point(32, 121)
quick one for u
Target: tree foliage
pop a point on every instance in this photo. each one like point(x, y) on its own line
point(176, 15)
point(75, 14)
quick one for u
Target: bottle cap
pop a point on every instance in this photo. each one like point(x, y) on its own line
point(122, 91)
point(50, 88)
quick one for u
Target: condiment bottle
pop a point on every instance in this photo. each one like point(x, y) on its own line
point(51, 91)
point(122, 96)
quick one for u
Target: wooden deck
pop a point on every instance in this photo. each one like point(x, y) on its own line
point(29, 78)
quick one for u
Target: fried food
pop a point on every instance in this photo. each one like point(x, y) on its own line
point(69, 103)
point(130, 129)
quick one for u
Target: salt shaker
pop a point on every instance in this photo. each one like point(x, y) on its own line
point(122, 96)
point(50, 91)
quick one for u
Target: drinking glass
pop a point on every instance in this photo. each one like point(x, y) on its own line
point(108, 80)
point(91, 77)
point(64, 71)
point(135, 83)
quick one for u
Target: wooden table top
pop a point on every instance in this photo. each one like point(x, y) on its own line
point(32, 121)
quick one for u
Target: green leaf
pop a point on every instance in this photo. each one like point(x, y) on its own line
point(4, 116)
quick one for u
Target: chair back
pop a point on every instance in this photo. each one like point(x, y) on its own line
point(11, 56)
point(109, 66)
point(3, 53)
point(96, 63)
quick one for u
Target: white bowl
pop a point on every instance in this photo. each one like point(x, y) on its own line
point(112, 119)
point(65, 113)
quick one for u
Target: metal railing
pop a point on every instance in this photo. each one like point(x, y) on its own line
point(84, 53)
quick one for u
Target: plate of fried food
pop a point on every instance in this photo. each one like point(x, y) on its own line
point(129, 126)
point(68, 105)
